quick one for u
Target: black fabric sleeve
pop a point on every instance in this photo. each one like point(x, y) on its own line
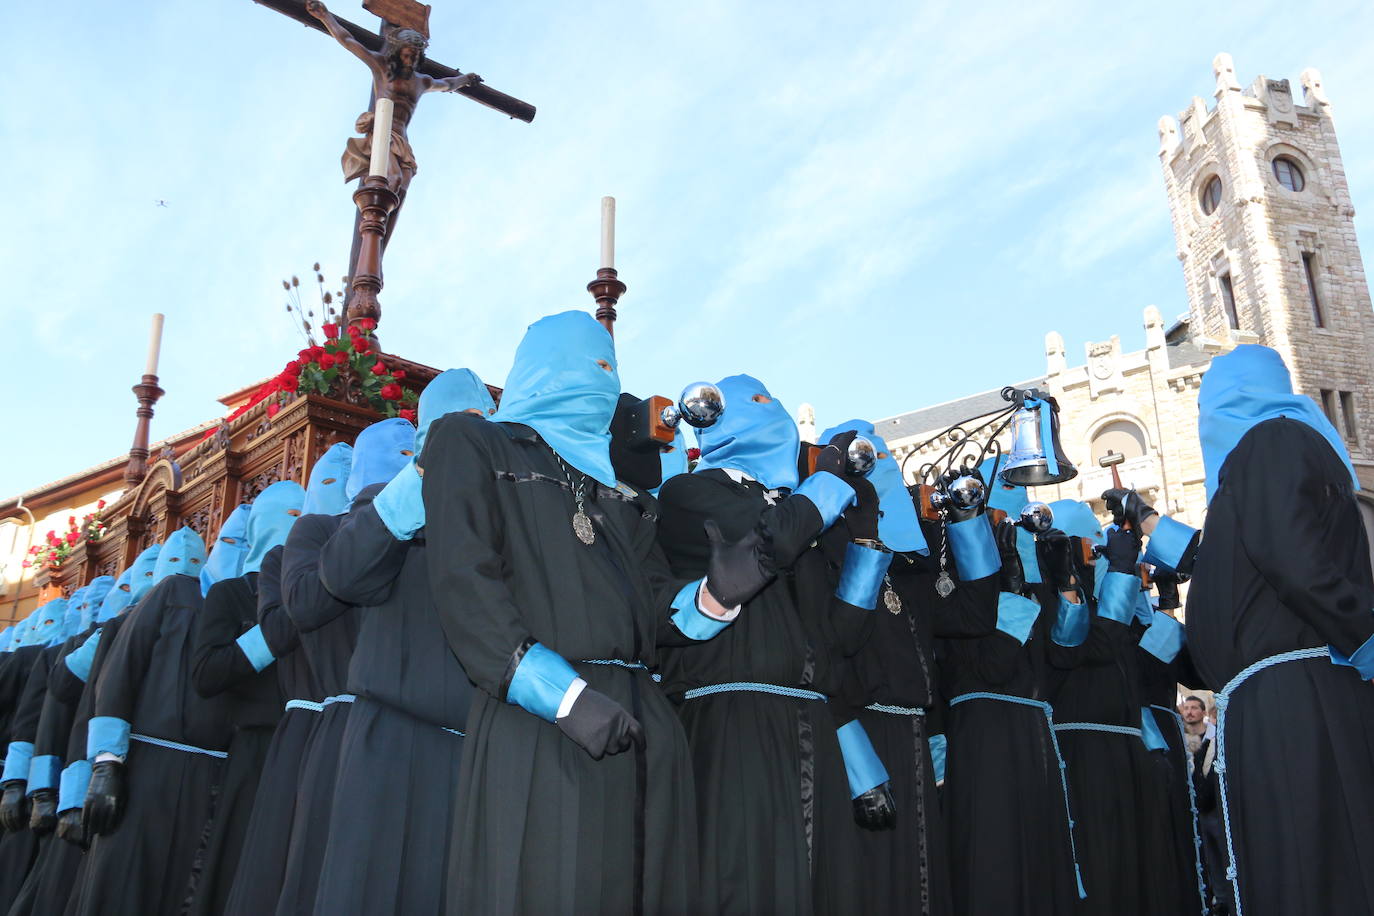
point(126, 665)
point(217, 662)
point(30, 708)
point(309, 604)
point(362, 559)
point(277, 629)
point(62, 681)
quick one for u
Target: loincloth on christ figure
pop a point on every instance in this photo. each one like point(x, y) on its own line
point(357, 154)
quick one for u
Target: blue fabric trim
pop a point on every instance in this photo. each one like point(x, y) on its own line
point(1164, 639)
point(178, 746)
point(692, 621)
point(795, 693)
point(541, 679)
point(828, 493)
point(1030, 560)
point(1362, 659)
point(1150, 733)
point(107, 735)
point(1168, 543)
point(861, 576)
point(1046, 414)
point(1072, 624)
point(896, 710)
point(975, 552)
point(1116, 598)
point(401, 505)
point(1016, 615)
point(17, 761)
point(79, 660)
point(71, 792)
point(254, 647)
point(861, 763)
point(44, 771)
point(939, 748)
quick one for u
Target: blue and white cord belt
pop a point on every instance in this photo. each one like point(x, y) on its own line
point(1054, 742)
point(338, 698)
point(618, 663)
point(1223, 699)
point(795, 693)
point(896, 710)
point(1192, 802)
point(304, 704)
point(178, 746)
point(1097, 727)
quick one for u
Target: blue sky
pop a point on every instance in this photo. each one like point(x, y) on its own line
point(873, 207)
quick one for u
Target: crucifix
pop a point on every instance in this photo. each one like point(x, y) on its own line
point(400, 75)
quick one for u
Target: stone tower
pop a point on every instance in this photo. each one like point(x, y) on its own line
point(1264, 224)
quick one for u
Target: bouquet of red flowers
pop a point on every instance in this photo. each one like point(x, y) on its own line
point(57, 547)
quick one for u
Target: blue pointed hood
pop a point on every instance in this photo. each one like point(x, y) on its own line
point(228, 550)
point(7, 639)
point(327, 491)
point(1076, 519)
point(141, 573)
point(118, 598)
point(559, 388)
point(899, 527)
point(76, 603)
point(379, 453)
point(452, 390)
point(46, 628)
point(1244, 388)
point(274, 512)
point(183, 553)
point(757, 439)
point(96, 592)
point(674, 461)
point(20, 635)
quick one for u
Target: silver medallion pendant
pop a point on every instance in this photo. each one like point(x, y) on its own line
point(582, 527)
point(944, 586)
point(891, 601)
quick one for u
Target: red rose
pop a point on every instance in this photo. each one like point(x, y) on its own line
point(100, 504)
point(693, 454)
point(379, 368)
point(406, 413)
point(52, 538)
point(399, 374)
point(26, 564)
point(392, 392)
point(73, 537)
point(326, 360)
point(354, 330)
point(288, 382)
point(293, 368)
point(304, 355)
point(331, 330)
point(273, 408)
point(361, 344)
point(367, 324)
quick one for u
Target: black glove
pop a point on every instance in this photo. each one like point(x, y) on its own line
point(1127, 507)
point(105, 797)
point(1123, 551)
point(953, 513)
point(69, 827)
point(875, 809)
point(14, 807)
point(1012, 576)
point(737, 571)
point(832, 457)
point(43, 818)
point(1055, 549)
point(862, 517)
point(1166, 586)
point(600, 725)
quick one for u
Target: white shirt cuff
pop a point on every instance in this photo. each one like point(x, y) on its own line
point(727, 617)
point(106, 755)
point(570, 696)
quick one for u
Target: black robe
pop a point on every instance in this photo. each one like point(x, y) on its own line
point(541, 827)
point(773, 800)
point(1284, 565)
point(262, 858)
point(19, 849)
point(394, 801)
point(146, 865)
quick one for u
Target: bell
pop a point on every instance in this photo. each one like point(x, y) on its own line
point(1028, 463)
point(1037, 518)
point(861, 457)
point(701, 405)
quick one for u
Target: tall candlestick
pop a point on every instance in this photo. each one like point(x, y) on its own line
point(154, 344)
point(381, 138)
point(608, 232)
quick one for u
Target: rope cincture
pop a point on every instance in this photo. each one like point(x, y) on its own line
point(338, 698)
point(620, 663)
point(1222, 700)
point(178, 746)
point(304, 704)
point(795, 693)
point(1058, 756)
point(1099, 727)
point(896, 710)
point(1192, 804)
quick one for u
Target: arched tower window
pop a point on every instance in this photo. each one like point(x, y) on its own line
point(1123, 437)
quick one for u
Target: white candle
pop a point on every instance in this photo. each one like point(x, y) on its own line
point(154, 345)
point(381, 138)
point(608, 232)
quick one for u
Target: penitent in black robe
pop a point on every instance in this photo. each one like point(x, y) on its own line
point(541, 827)
point(1284, 565)
point(394, 800)
point(773, 801)
point(19, 849)
point(146, 865)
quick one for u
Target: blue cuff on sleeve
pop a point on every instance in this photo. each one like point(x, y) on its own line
point(1016, 615)
point(17, 761)
point(72, 792)
point(861, 763)
point(1030, 560)
point(1164, 639)
point(1116, 599)
point(1150, 733)
point(939, 747)
point(1169, 543)
point(1071, 626)
point(540, 681)
point(1362, 659)
point(43, 772)
point(79, 660)
point(401, 505)
point(107, 735)
point(690, 619)
point(975, 552)
point(830, 494)
point(254, 647)
point(861, 577)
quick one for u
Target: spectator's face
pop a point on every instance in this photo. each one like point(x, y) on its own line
point(1192, 712)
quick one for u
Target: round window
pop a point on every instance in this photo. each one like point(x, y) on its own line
point(1211, 195)
point(1289, 173)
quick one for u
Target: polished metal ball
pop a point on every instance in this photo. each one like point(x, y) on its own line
point(670, 416)
point(701, 404)
point(1037, 517)
point(966, 492)
point(861, 457)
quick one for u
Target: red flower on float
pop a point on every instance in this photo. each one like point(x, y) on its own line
point(292, 369)
point(331, 330)
point(273, 408)
point(361, 344)
point(288, 382)
point(405, 413)
point(379, 368)
point(693, 454)
point(392, 392)
point(73, 537)
point(398, 374)
point(100, 504)
point(367, 324)
point(354, 330)
point(326, 361)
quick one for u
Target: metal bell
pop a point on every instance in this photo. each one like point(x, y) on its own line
point(861, 457)
point(1037, 517)
point(1028, 462)
point(700, 404)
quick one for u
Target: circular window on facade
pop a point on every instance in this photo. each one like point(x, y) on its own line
point(1289, 173)
point(1211, 195)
